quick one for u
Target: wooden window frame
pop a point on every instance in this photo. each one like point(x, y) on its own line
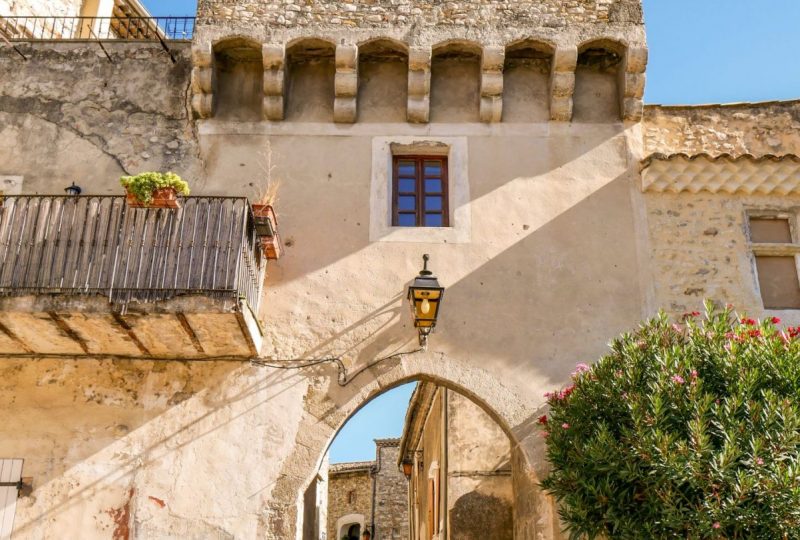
point(419, 192)
point(773, 249)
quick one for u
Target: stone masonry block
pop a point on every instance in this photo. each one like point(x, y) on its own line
point(418, 109)
point(491, 108)
point(419, 83)
point(561, 109)
point(636, 60)
point(562, 84)
point(634, 85)
point(202, 55)
point(493, 58)
point(346, 57)
point(491, 83)
point(632, 109)
point(202, 80)
point(273, 55)
point(565, 59)
point(274, 82)
point(272, 108)
point(202, 105)
point(344, 110)
point(419, 58)
point(346, 84)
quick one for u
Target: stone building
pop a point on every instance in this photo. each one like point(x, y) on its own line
point(160, 379)
point(458, 462)
point(369, 495)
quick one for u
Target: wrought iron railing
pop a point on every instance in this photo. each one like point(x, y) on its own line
point(35, 28)
point(98, 245)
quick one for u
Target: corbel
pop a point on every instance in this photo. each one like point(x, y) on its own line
point(274, 58)
point(492, 83)
point(562, 83)
point(633, 83)
point(419, 84)
point(202, 80)
point(346, 84)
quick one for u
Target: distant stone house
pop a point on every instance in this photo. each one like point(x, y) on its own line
point(458, 462)
point(368, 495)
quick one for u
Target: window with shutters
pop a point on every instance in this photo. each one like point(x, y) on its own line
point(775, 249)
point(419, 193)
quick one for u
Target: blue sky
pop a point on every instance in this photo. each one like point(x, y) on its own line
point(701, 51)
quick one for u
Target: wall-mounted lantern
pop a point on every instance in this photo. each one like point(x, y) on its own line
point(408, 468)
point(73, 190)
point(425, 296)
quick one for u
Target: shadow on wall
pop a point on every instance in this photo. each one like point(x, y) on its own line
point(478, 516)
point(124, 419)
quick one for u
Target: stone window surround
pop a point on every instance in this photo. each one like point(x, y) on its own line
point(380, 203)
point(773, 249)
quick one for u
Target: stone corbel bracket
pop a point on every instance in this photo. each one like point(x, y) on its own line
point(562, 83)
point(632, 83)
point(419, 84)
point(202, 80)
point(274, 58)
point(492, 83)
point(345, 104)
point(747, 174)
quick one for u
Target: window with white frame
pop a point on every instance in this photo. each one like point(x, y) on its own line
point(775, 247)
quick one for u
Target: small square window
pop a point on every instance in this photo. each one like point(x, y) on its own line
point(419, 191)
point(776, 265)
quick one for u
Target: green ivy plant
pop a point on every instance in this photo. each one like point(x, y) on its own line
point(143, 185)
point(686, 430)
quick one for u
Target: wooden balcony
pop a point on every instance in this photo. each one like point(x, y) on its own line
point(91, 276)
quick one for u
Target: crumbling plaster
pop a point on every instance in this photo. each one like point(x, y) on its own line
point(69, 114)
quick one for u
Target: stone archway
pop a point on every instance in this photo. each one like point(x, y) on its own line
point(327, 407)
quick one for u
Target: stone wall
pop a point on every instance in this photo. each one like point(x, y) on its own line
point(758, 129)
point(391, 493)
point(71, 114)
point(425, 13)
point(49, 8)
point(344, 479)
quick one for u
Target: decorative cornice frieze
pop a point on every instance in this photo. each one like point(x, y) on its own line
point(745, 174)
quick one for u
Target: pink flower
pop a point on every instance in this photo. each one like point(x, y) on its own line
point(678, 328)
point(716, 525)
point(755, 333)
point(580, 368)
point(678, 379)
point(545, 434)
point(565, 425)
point(748, 322)
point(775, 320)
point(542, 420)
point(760, 461)
point(548, 395)
point(694, 374)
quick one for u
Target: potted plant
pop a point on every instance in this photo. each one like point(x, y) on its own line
point(154, 190)
point(267, 223)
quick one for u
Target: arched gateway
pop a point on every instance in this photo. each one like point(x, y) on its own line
point(328, 406)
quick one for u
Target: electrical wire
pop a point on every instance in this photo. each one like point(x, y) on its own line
point(342, 376)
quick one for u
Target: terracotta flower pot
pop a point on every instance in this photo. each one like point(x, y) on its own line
point(267, 230)
point(162, 198)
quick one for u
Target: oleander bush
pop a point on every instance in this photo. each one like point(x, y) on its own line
point(143, 185)
point(687, 429)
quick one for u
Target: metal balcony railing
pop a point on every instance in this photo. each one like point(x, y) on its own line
point(35, 28)
point(97, 245)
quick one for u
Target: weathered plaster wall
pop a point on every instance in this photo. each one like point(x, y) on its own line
point(69, 114)
point(480, 496)
point(48, 8)
point(758, 129)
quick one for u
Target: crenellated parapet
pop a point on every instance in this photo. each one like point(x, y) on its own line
point(567, 40)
